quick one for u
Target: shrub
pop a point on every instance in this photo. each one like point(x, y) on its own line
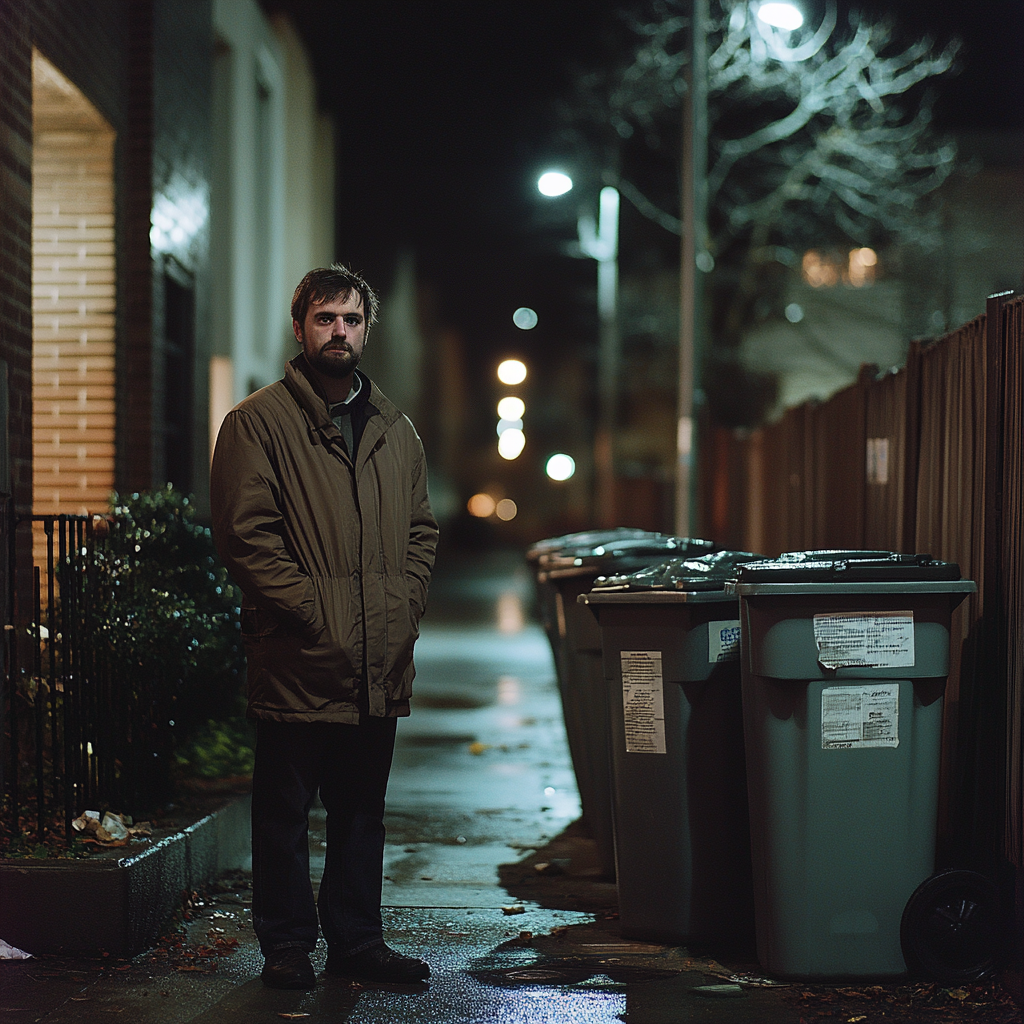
point(218, 750)
point(169, 614)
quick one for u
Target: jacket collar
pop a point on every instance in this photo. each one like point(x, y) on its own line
point(299, 382)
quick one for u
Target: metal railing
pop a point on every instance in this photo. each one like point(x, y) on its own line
point(79, 732)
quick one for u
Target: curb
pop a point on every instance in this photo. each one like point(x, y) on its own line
point(114, 903)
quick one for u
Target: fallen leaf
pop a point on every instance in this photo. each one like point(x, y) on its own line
point(516, 908)
point(756, 981)
point(100, 841)
point(478, 747)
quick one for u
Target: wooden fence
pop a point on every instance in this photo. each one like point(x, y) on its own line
point(924, 459)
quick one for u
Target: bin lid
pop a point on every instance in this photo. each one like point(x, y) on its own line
point(829, 555)
point(586, 538)
point(620, 556)
point(701, 573)
point(839, 567)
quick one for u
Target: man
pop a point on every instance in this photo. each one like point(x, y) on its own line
point(321, 513)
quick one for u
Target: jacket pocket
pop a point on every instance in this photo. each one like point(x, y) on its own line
point(402, 631)
point(258, 624)
point(291, 672)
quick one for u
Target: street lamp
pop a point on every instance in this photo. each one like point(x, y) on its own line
point(781, 15)
point(511, 371)
point(697, 260)
point(600, 241)
point(560, 466)
point(554, 183)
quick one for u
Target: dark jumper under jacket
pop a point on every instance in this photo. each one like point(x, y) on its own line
point(333, 559)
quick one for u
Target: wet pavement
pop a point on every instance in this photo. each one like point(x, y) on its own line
point(489, 875)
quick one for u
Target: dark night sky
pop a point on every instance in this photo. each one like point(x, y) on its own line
point(443, 112)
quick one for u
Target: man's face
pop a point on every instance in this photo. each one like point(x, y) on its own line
point(333, 335)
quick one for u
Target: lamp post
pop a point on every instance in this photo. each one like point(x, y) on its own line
point(600, 241)
point(696, 258)
point(694, 261)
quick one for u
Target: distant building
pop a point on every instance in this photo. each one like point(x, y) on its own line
point(841, 309)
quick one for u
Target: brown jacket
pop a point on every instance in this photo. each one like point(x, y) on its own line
point(333, 560)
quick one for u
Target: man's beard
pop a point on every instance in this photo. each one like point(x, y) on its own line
point(334, 361)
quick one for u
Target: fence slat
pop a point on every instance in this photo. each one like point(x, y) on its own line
point(927, 459)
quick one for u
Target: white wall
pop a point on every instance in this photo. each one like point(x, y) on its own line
point(310, 177)
point(272, 209)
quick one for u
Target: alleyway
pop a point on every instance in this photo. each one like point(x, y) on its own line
point(481, 798)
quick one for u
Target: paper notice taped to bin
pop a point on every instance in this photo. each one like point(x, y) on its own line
point(724, 640)
point(860, 716)
point(865, 639)
point(643, 702)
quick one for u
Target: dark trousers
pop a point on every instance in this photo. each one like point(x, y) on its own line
point(350, 766)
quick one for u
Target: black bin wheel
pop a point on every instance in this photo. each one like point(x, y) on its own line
point(950, 932)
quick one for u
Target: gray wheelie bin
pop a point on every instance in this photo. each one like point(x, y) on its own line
point(551, 610)
point(844, 660)
point(547, 596)
point(546, 593)
point(670, 637)
point(572, 572)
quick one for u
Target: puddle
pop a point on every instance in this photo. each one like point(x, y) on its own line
point(449, 702)
point(435, 739)
point(570, 971)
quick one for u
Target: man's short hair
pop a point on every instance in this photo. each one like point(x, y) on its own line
point(326, 283)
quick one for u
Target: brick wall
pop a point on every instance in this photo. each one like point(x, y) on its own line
point(73, 298)
point(16, 240)
point(144, 66)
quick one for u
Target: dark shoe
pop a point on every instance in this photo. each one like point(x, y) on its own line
point(288, 968)
point(380, 964)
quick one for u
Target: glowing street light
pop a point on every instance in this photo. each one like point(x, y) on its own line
point(788, 17)
point(525, 318)
point(506, 509)
point(511, 408)
point(504, 425)
point(560, 467)
point(554, 183)
point(481, 505)
point(511, 443)
point(512, 371)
